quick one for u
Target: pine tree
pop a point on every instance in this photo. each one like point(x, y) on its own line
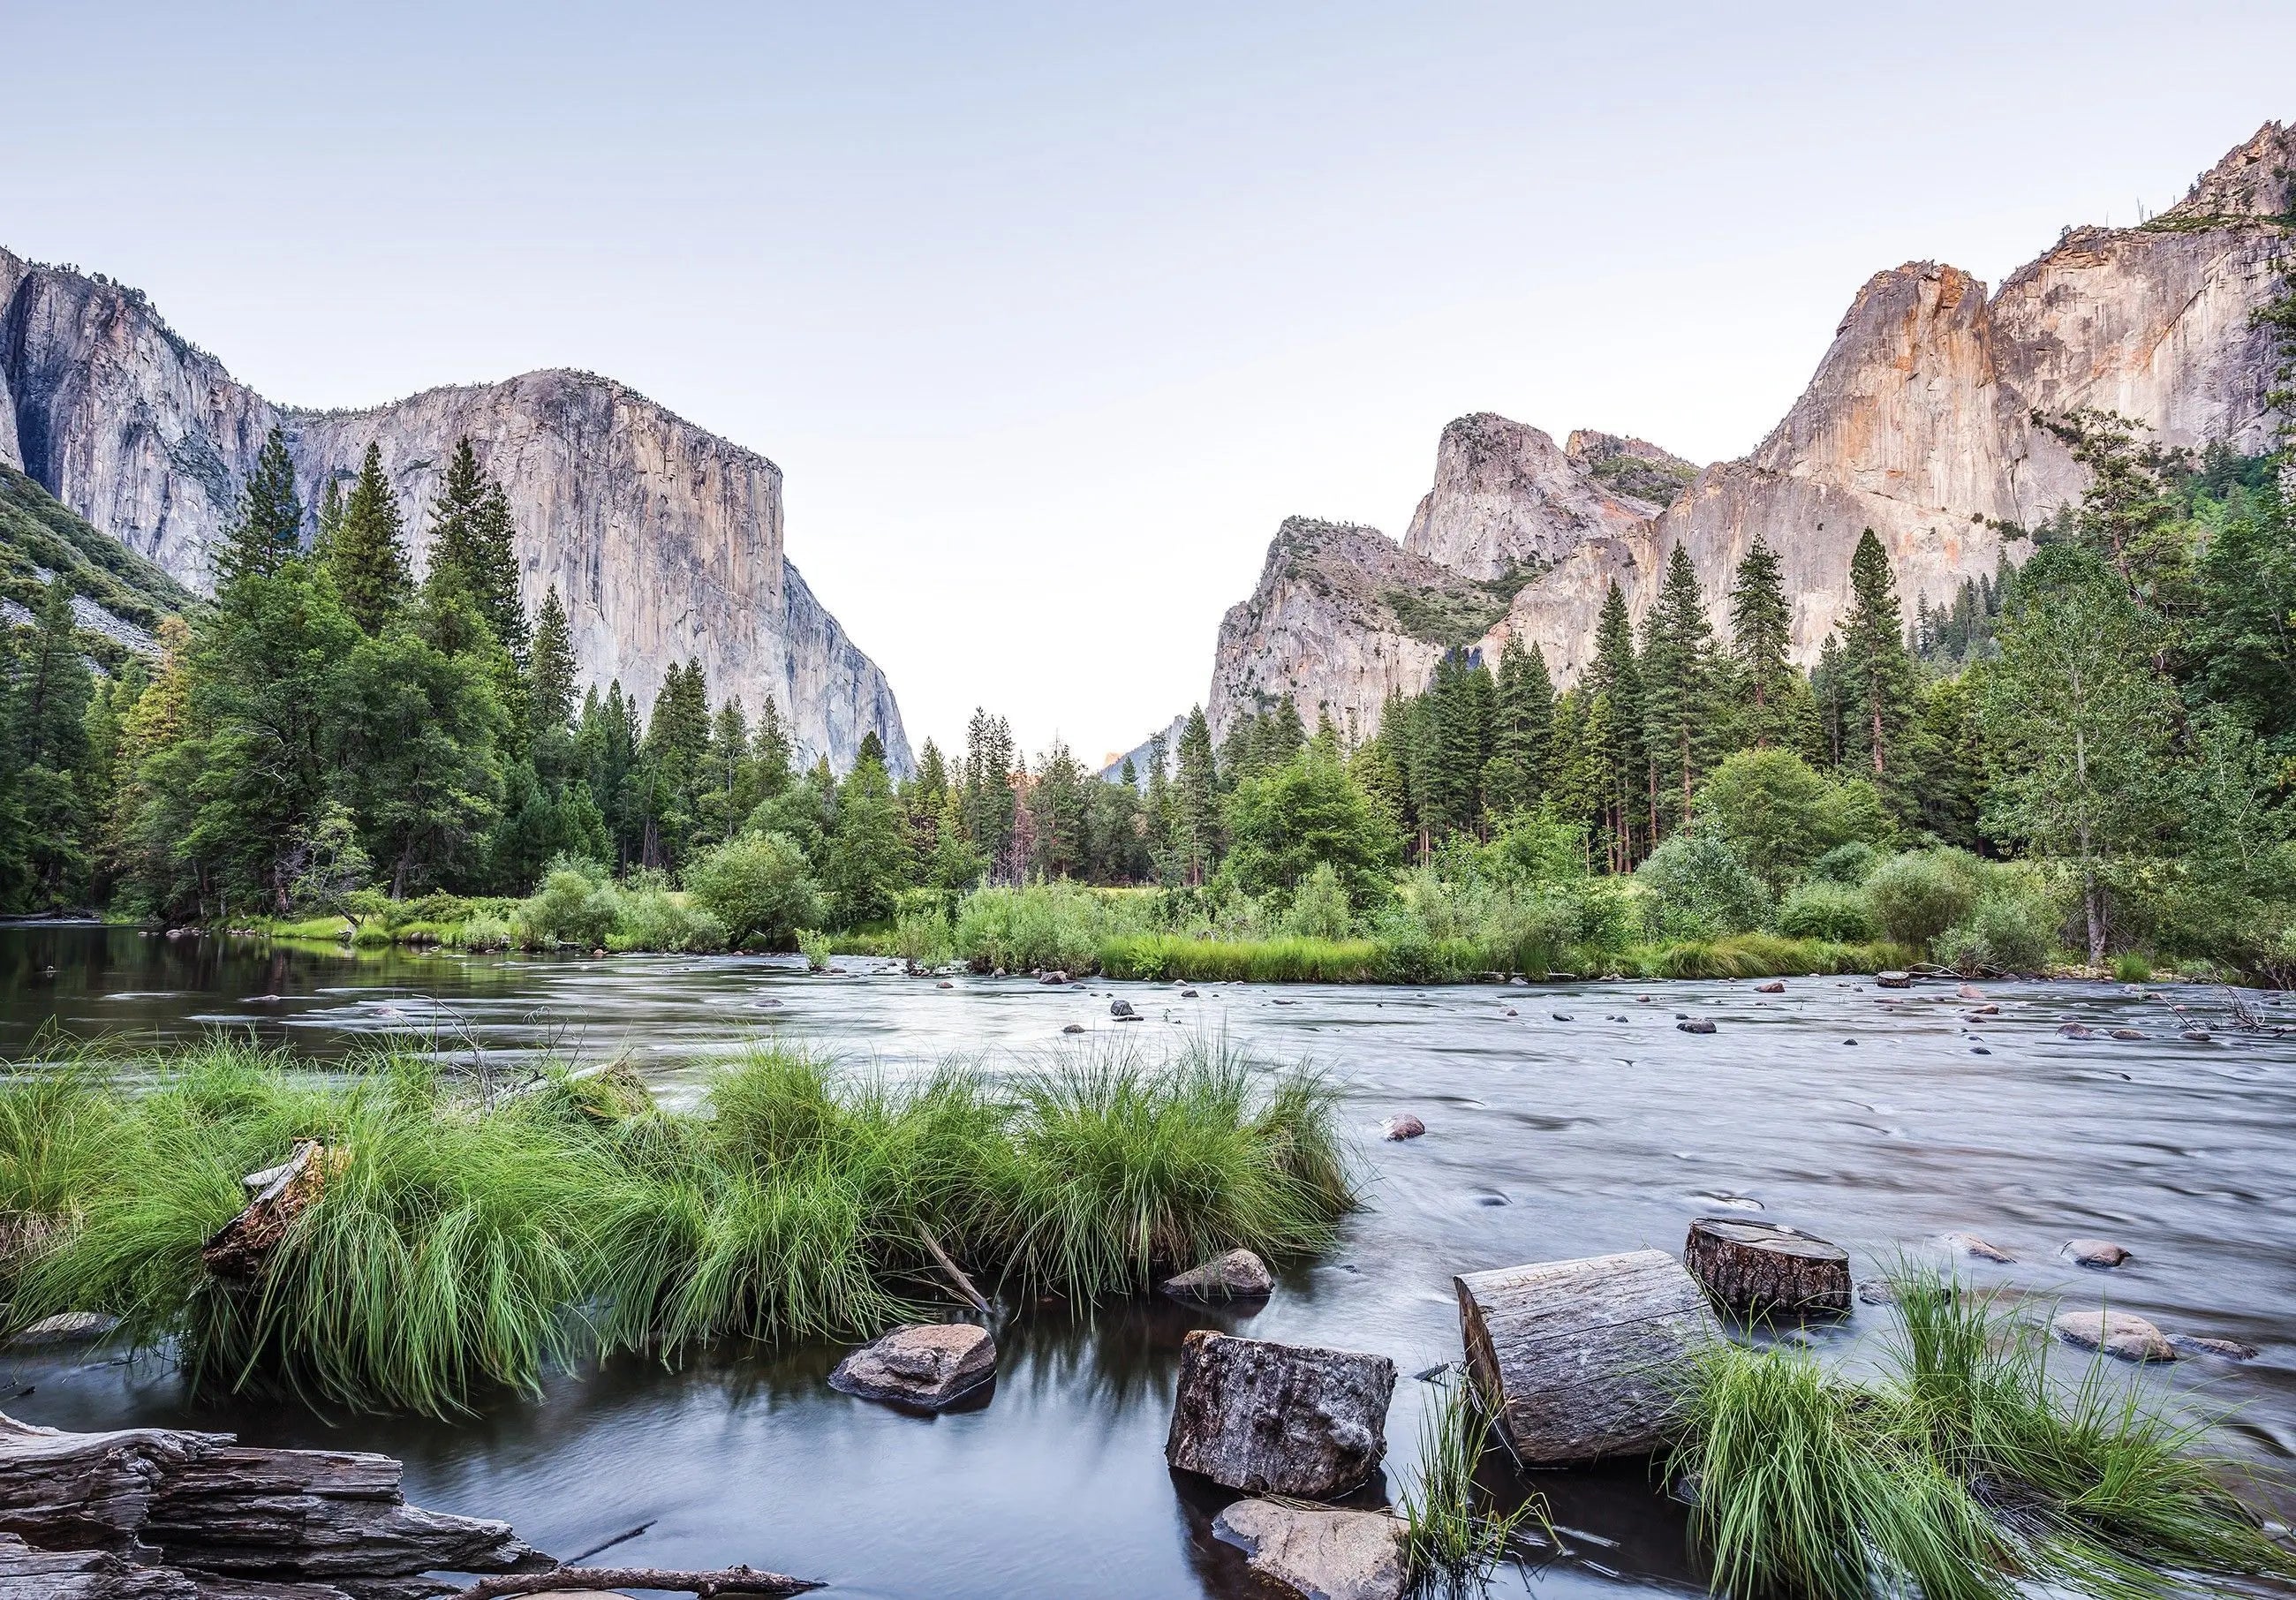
point(1678, 701)
point(550, 671)
point(1524, 728)
point(1761, 622)
point(1615, 722)
point(991, 805)
point(1195, 799)
point(329, 519)
point(772, 750)
point(472, 548)
point(269, 529)
point(1877, 669)
point(368, 553)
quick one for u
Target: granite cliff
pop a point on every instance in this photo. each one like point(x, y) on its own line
point(1918, 423)
point(665, 541)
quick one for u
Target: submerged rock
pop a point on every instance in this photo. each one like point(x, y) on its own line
point(928, 1364)
point(2229, 1349)
point(1404, 1127)
point(1877, 1292)
point(2127, 1033)
point(2117, 1334)
point(66, 1327)
point(1320, 1553)
point(1697, 1025)
point(1969, 1244)
point(1239, 1274)
point(1073, 1028)
point(2096, 1252)
point(1773, 987)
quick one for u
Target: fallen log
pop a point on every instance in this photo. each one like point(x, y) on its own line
point(240, 1247)
point(1582, 1355)
point(30, 1574)
point(204, 1502)
point(720, 1581)
point(1762, 1269)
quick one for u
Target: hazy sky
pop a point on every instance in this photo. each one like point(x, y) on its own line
point(1049, 315)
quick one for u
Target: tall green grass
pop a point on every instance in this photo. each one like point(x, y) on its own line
point(1757, 956)
point(473, 1240)
point(1968, 1472)
point(1169, 957)
point(1453, 1539)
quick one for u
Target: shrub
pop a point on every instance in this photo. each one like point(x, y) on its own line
point(1695, 886)
point(1852, 864)
point(1319, 907)
point(759, 886)
point(569, 908)
point(1918, 895)
point(1822, 909)
point(650, 916)
point(1059, 925)
point(2013, 929)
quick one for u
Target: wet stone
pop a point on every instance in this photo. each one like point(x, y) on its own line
point(1404, 1127)
point(928, 1364)
point(1697, 1025)
point(2101, 1253)
point(2120, 1334)
point(1771, 988)
point(2228, 1349)
point(1239, 1274)
point(1969, 1244)
point(1318, 1553)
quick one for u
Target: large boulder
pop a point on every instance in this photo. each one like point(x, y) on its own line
point(1282, 1419)
point(931, 1365)
point(1583, 1355)
point(1239, 1274)
point(1320, 1553)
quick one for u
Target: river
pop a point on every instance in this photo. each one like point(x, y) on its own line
point(1566, 1119)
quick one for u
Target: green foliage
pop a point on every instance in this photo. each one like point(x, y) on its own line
point(1780, 816)
point(2013, 929)
point(759, 886)
point(367, 555)
point(1319, 906)
point(1453, 1539)
point(1696, 886)
point(1055, 926)
point(1966, 1468)
point(1820, 909)
point(1918, 895)
point(1286, 823)
point(1172, 958)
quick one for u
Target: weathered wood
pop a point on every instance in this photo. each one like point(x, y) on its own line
point(30, 1574)
point(240, 1247)
point(1764, 1268)
point(199, 1500)
point(719, 1580)
point(1282, 1419)
point(955, 1274)
point(1583, 1355)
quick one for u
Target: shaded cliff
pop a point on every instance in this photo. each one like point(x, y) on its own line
point(1917, 423)
point(664, 540)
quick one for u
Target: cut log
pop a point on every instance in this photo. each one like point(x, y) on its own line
point(240, 1247)
point(200, 1501)
point(1582, 1355)
point(1757, 1269)
point(1284, 1419)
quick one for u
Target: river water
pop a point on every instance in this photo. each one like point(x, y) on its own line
point(1567, 1119)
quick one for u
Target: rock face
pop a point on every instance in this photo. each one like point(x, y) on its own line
point(1281, 1419)
point(1919, 423)
point(664, 541)
point(1320, 1553)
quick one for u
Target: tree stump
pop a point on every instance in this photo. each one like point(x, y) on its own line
point(1757, 1269)
point(1282, 1419)
point(1582, 1355)
point(240, 1247)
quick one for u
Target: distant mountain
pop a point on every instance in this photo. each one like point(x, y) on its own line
point(1919, 423)
point(664, 540)
point(118, 596)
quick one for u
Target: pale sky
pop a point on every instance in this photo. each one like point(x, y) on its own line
point(1050, 315)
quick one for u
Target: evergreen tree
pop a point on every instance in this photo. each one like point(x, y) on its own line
point(472, 548)
point(1877, 671)
point(368, 556)
point(1761, 620)
point(47, 750)
point(991, 803)
point(771, 750)
point(1677, 683)
point(329, 519)
point(868, 854)
point(1523, 727)
point(268, 528)
point(1059, 815)
point(1615, 724)
point(550, 674)
point(1195, 799)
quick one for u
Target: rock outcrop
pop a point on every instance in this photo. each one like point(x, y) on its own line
point(1919, 423)
point(664, 541)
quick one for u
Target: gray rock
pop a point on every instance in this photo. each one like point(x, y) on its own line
point(1894, 980)
point(1969, 1244)
point(2100, 1253)
point(1320, 1553)
point(1283, 1419)
point(2117, 1334)
point(1073, 1028)
point(927, 1364)
point(1877, 1292)
point(1697, 1025)
point(1239, 1274)
point(2229, 1349)
point(1404, 1126)
point(1052, 978)
point(1121, 1010)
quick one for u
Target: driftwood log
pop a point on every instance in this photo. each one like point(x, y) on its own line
point(1282, 1419)
point(1764, 1268)
point(720, 1581)
point(1583, 1355)
point(240, 1247)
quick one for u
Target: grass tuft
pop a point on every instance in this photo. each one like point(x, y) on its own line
point(1453, 1540)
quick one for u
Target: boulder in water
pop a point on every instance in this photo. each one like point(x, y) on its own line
point(1317, 1553)
point(2101, 1253)
point(1969, 1244)
point(1239, 1274)
point(1121, 1010)
point(928, 1364)
point(1697, 1025)
point(2118, 1333)
point(1773, 987)
point(1404, 1126)
point(1281, 1419)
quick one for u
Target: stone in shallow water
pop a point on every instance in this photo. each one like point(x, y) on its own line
point(1282, 1419)
point(2231, 1349)
point(1320, 1553)
point(66, 1327)
point(928, 1364)
point(1969, 1244)
point(1239, 1274)
point(2096, 1252)
point(1697, 1025)
point(1404, 1127)
point(2118, 1333)
point(1771, 988)
point(1073, 1028)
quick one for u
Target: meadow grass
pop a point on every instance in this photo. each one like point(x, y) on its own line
point(1757, 956)
point(473, 1240)
point(1968, 1471)
point(1171, 957)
